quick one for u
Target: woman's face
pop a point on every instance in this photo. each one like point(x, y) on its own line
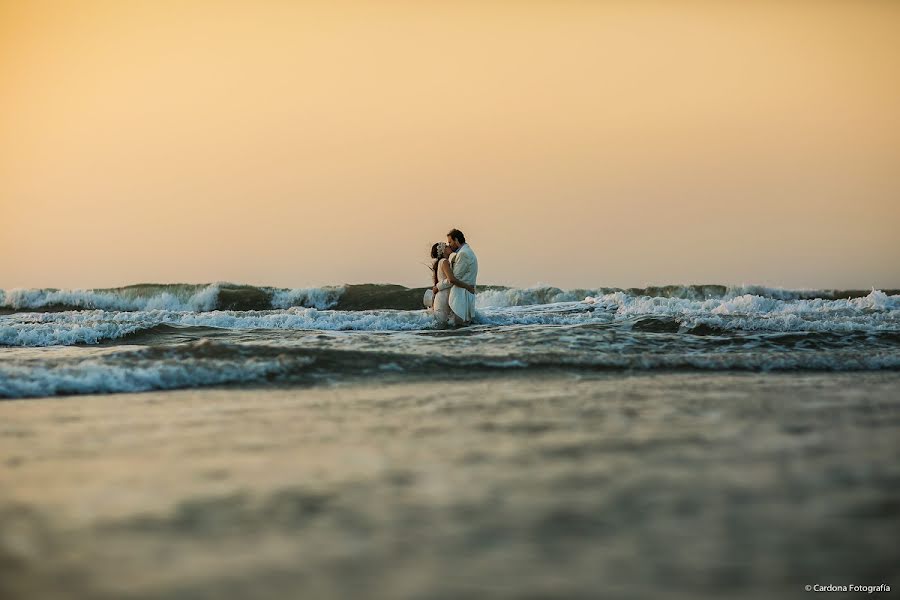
point(447, 252)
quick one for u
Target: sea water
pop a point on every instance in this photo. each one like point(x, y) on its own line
point(697, 441)
point(163, 337)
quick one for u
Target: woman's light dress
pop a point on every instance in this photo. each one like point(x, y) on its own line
point(440, 302)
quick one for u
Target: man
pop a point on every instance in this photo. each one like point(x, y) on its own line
point(464, 264)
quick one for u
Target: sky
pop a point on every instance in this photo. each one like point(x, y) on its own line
point(576, 144)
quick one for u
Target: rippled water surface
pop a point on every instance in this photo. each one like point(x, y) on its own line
point(504, 484)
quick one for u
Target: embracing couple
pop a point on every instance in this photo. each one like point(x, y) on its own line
point(454, 271)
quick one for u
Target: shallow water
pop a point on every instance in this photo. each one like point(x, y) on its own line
point(509, 484)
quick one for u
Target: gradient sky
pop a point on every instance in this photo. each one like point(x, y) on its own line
point(575, 143)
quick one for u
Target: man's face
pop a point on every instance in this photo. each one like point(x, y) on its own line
point(454, 245)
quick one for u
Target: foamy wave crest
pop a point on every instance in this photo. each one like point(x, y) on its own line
point(123, 299)
point(181, 297)
point(229, 296)
point(126, 372)
point(875, 312)
point(306, 318)
point(68, 332)
point(508, 297)
point(500, 297)
point(91, 327)
point(320, 298)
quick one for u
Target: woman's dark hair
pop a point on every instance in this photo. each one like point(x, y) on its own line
point(457, 235)
point(437, 260)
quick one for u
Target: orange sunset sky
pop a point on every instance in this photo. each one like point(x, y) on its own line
point(575, 143)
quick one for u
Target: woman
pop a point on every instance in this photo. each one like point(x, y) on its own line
point(438, 298)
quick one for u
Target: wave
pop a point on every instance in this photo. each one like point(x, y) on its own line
point(502, 297)
point(181, 297)
point(225, 296)
point(130, 371)
point(875, 312)
point(204, 362)
point(91, 327)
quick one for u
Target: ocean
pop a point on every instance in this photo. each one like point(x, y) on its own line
point(153, 337)
point(232, 441)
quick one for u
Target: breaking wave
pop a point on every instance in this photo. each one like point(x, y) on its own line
point(204, 362)
point(182, 297)
point(130, 371)
point(235, 297)
point(875, 312)
point(155, 337)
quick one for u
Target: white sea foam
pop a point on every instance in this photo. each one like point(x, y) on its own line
point(305, 318)
point(539, 294)
point(175, 297)
point(97, 376)
point(320, 298)
point(777, 293)
point(874, 312)
point(23, 299)
point(90, 327)
point(64, 333)
point(527, 296)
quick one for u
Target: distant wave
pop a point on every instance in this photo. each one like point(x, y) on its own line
point(501, 297)
point(876, 311)
point(236, 297)
point(183, 297)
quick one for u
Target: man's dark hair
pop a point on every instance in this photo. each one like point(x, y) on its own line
point(457, 235)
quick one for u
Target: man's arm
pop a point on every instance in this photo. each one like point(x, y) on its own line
point(448, 272)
